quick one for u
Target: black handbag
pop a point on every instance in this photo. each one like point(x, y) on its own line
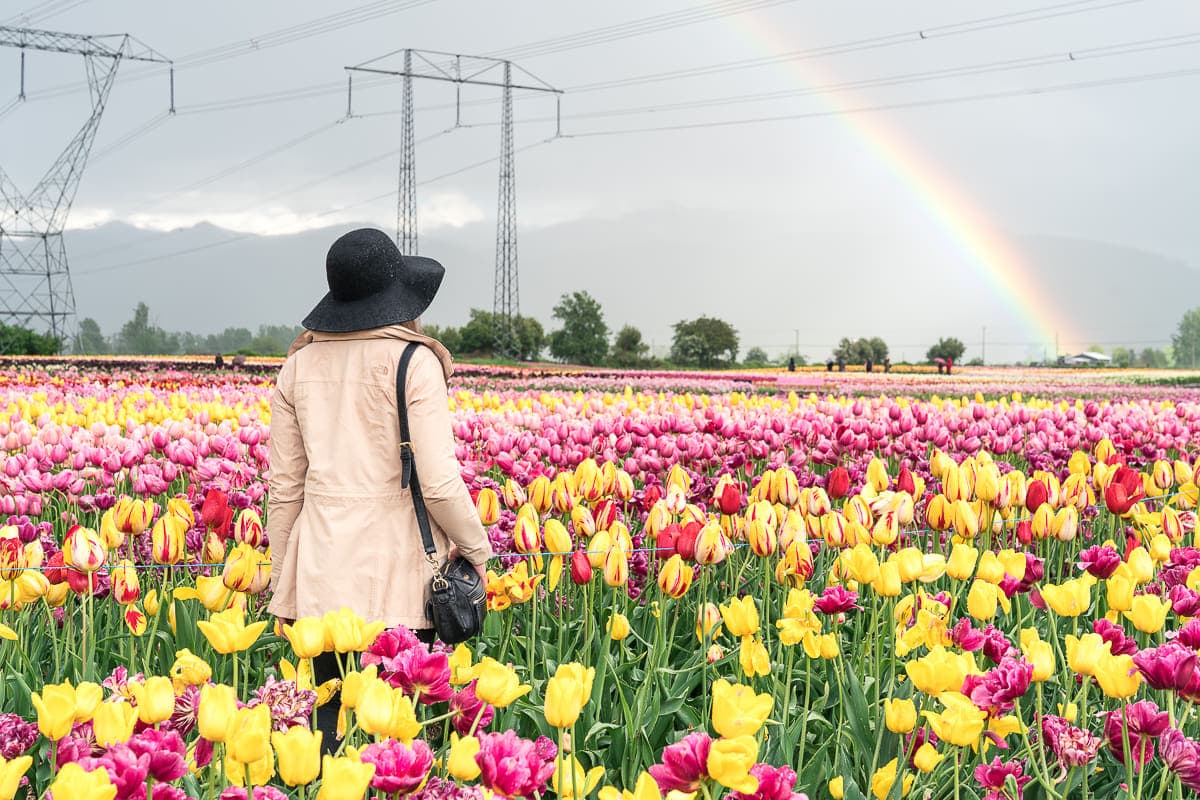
point(457, 597)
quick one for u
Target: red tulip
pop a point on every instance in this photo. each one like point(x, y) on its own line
point(728, 497)
point(1036, 493)
point(685, 542)
point(666, 540)
point(839, 483)
point(905, 482)
point(216, 514)
point(581, 568)
point(651, 496)
point(1124, 490)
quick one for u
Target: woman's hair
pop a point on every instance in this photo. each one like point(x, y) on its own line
point(413, 325)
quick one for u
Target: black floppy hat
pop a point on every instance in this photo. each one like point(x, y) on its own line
point(371, 284)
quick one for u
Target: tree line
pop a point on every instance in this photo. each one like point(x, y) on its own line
point(581, 336)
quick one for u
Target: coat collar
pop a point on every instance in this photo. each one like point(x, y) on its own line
point(397, 332)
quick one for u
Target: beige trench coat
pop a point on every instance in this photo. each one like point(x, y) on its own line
point(342, 531)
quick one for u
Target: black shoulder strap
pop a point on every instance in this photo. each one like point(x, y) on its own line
point(408, 464)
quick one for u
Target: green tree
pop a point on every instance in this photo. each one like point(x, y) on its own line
point(1186, 341)
point(1153, 358)
point(758, 357)
point(704, 342)
point(629, 350)
point(1122, 357)
point(139, 336)
point(88, 339)
point(18, 341)
point(859, 350)
point(946, 349)
point(478, 336)
point(583, 337)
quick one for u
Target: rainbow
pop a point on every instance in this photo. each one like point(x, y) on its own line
point(960, 222)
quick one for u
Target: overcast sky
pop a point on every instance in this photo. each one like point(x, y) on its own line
point(1063, 118)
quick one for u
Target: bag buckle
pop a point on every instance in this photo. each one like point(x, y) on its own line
point(439, 582)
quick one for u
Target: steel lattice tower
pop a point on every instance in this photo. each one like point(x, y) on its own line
point(506, 305)
point(406, 211)
point(35, 280)
point(448, 67)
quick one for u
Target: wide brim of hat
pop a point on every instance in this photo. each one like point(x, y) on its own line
point(402, 301)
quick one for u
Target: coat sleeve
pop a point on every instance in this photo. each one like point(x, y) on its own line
point(289, 466)
point(446, 496)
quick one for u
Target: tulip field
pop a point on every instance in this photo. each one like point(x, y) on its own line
point(735, 585)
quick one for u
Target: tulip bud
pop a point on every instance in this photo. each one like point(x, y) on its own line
point(1163, 474)
point(617, 627)
point(125, 588)
point(83, 549)
point(113, 536)
point(539, 494)
point(581, 568)
point(787, 487)
point(675, 577)
point(727, 497)
point(616, 567)
point(708, 622)
point(838, 483)
point(624, 486)
point(167, 539)
point(583, 520)
point(900, 715)
point(877, 475)
point(249, 528)
point(525, 535)
point(711, 544)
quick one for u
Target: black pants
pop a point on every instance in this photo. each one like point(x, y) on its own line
point(325, 668)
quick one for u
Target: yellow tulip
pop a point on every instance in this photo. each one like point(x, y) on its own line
point(1084, 653)
point(228, 632)
point(570, 780)
point(1148, 613)
point(488, 506)
point(218, 704)
point(911, 564)
point(167, 539)
point(962, 561)
point(877, 475)
point(347, 632)
point(900, 715)
point(11, 773)
point(940, 670)
point(255, 772)
point(729, 762)
point(960, 724)
point(618, 627)
point(498, 684)
point(55, 706)
point(1141, 565)
point(461, 670)
point(73, 783)
point(837, 788)
point(306, 636)
point(887, 582)
point(462, 764)
point(189, 670)
point(927, 758)
point(248, 738)
point(860, 564)
point(567, 692)
point(1038, 653)
point(354, 683)
point(1119, 592)
point(155, 699)
point(712, 545)
point(990, 568)
point(345, 778)
point(1118, 676)
point(966, 521)
point(246, 570)
point(737, 710)
point(299, 753)
point(885, 777)
point(112, 723)
point(982, 600)
point(88, 697)
point(741, 617)
point(1068, 599)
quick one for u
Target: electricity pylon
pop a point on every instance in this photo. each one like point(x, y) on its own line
point(35, 280)
point(480, 71)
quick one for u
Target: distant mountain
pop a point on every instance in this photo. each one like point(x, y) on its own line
point(776, 284)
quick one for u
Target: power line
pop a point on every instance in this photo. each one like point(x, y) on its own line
point(858, 45)
point(997, 95)
point(282, 36)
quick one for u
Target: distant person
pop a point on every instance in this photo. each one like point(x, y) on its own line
point(239, 361)
point(949, 365)
point(869, 365)
point(791, 365)
point(829, 365)
point(841, 364)
point(219, 361)
point(887, 366)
